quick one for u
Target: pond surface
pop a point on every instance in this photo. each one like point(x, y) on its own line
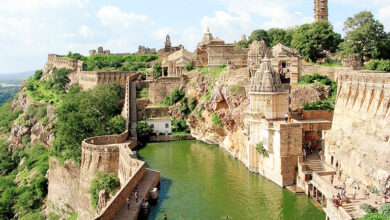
point(202, 181)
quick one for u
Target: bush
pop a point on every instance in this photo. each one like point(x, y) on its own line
point(7, 116)
point(26, 140)
point(216, 120)
point(260, 148)
point(36, 112)
point(192, 103)
point(379, 65)
point(175, 96)
point(367, 208)
point(60, 79)
point(157, 70)
point(189, 67)
point(384, 210)
point(117, 125)
point(199, 110)
point(38, 75)
point(103, 181)
point(85, 114)
point(143, 130)
point(179, 125)
point(373, 216)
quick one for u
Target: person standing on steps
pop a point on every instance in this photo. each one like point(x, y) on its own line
point(128, 203)
point(136, 196)
point(286, 116)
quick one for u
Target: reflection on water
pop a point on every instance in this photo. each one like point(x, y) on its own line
point(200, 181)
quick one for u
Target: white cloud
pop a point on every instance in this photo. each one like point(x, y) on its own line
point(363, 3)
point(160, 34)
point(34, 6)
point(190, 38)
point(384, 17)
point(86, 32)
point(112, 15)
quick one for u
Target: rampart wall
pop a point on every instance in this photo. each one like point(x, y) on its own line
point(163, 86)
point(359, 138)
point(219, 55)
point(61, 62)
point(331, 72)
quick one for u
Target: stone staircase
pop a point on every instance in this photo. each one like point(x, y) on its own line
point(313, 163)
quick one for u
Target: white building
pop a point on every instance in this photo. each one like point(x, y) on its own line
point(160, 125)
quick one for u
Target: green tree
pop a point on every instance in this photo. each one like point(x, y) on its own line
point(157, 69)
point(260, 35)
point(117, 124)
point(60, 79)
point(103, 181)
point(278, 35)
point(313, 39)
point(365, 37)
point(143, 130)
point(85, 114)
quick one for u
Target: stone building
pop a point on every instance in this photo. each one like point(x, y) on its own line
point(145, 50)
point(99, 52)
point(214, 52)
point(168, 49)
point(279, 141)
point(320, 10)
point(287, 62)
point(257, 52)
point(174, 65)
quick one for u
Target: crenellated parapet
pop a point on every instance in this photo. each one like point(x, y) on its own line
point(360, 136)
point(61, 62)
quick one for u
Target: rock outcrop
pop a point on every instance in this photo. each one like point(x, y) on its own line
point(308, 93)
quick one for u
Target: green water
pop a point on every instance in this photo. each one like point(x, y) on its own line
point(204, 182)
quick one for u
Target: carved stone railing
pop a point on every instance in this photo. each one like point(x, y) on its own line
point(336, 212)
point(323, 185)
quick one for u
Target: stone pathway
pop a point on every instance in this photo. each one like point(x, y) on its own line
point(150, 180)
point(352, 206)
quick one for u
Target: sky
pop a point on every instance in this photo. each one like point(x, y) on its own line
point(31, 29)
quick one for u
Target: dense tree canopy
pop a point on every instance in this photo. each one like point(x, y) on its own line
point(278, 35)
point(365, 37)
point(313, 39)
point(86, 114)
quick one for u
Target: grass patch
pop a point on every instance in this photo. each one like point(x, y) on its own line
point(216, 120)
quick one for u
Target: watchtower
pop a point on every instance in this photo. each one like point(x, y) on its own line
point(320, 10)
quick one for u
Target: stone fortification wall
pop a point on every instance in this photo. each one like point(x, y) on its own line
point(90, 79)
point(318, 114)
point(61, 62)
point(359, 138)
point(163, 86)
point(63, 187)
point(331, 72)
point(219, 55)
point(120, 198)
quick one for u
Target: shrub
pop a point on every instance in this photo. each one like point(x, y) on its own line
point(379, 65)
point(260, 148)
point(143, 130)
point(103, 181)
point(237, 90)
point(189, 67)
point(157, 70)
point(38, 75)
point(373, 216)
point(26, 140)
point(60, 79)
point(367, 208)
point(216, 120)
point(82, 115)
point(384, 210)
point(179, 125)
point(7, 116)
point(192, 103)
point(199, 110)
point(117, 125)
point(175, 96)
point(36, 112)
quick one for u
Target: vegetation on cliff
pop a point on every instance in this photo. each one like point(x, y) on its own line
point(327, 104)
point(84, 114)
point(103, 181)
point(383, 213)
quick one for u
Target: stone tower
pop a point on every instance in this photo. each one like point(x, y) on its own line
point(320, 10)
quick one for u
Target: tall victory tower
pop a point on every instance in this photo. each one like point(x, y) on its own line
point(320, 10)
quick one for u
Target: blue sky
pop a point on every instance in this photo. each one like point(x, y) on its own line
point(30, 29)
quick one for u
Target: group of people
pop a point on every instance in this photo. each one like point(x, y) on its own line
point(128, 199)
point(308, 148)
